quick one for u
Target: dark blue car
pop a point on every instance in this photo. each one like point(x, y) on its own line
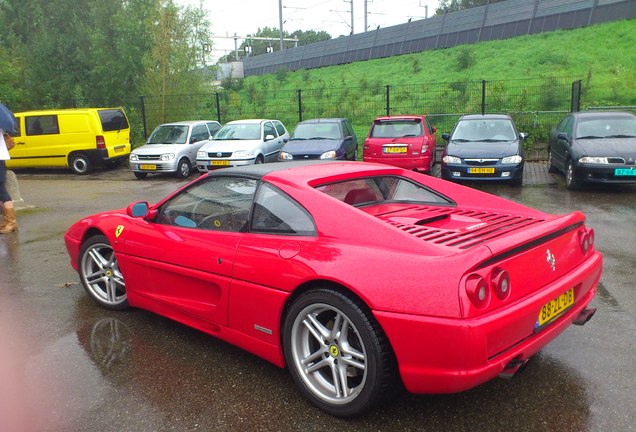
point(484, 147)
point(330, 138)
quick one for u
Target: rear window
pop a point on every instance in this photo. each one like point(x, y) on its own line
point(373, 190)
point(397, 129)
point(113, 120)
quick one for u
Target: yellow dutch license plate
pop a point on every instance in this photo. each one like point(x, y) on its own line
point(556, 307)
point(148, 167)
point(394, 150)
point(481, 170)
point(219, 163)
point(119, 149)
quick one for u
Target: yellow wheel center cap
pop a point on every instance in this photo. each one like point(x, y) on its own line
point(109, 273)
point(334, 351)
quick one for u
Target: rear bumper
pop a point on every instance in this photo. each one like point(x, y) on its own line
point(422, 163)
point(442, 355)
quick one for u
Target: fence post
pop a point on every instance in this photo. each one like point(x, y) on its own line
point(575, 100)
point(300, 105)
point(388, 100)
point(483, 97)
point(218, 106)
point(143, 117)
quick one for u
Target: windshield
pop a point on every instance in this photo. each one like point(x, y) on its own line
point(169, 134)
point(624, 127)
point(307, 131)
point(488, 130)
point(239, 131)
point(397, 129)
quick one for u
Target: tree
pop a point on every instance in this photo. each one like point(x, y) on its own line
point(446, 6)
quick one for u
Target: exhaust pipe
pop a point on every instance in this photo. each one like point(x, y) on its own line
point(513, 368)
point(584, 316)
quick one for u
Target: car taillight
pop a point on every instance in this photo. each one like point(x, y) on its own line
point(424, 148)
point(500, 280)
point(477, 290)
point(100, 141)
point(586, 238)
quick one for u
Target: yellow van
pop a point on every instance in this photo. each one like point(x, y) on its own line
point(75, 138)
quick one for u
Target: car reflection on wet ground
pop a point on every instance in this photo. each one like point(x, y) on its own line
point(67, 365)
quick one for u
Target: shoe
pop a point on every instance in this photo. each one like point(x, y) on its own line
point(8, 221)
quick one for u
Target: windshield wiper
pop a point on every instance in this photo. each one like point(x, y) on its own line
point(621, 136)
point(590, 137)
point(321, 138)
point(495, 140)
point(462, 140)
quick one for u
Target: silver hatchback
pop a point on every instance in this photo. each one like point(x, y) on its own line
point(172, 148)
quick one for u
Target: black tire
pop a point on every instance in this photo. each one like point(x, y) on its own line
point(551, 168)
point(79, 163)
point(571, 182)
point(359, 351)
point(140, 175)
point(259, 159)
point(100, 275)
point(184, 168)
point(517, 182)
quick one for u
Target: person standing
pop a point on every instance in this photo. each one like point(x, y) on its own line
point(8, 223)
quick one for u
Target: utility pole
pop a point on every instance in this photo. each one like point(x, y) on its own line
point(280, 20)
point(351, 1)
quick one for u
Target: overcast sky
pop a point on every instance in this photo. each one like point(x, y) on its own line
point(243, 17)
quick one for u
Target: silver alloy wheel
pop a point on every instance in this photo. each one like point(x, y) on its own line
point(101, 276)
point(183, 169)
point(329, 354)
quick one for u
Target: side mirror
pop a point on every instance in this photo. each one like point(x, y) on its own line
point(446, 136)
point(137, 209)
point(269, 137)
point(523, 135)
point(562, 136)
point(434, 129)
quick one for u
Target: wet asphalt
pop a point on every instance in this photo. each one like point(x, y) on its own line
point(67, 365)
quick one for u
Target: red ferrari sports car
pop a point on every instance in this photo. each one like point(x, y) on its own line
point(360, 278)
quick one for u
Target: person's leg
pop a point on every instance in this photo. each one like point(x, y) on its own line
point(8, 211)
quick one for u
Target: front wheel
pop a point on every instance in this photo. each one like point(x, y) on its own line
point(337, 353)
point(100, 275)
point(259, 160)
point(571, 182)
point(183, 169)
point(140, 175)
point(79, 163)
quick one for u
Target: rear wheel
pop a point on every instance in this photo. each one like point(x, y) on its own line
point(337, 353)
point(79, 163)
point(183, 168)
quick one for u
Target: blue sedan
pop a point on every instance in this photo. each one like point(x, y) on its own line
point(484, 147)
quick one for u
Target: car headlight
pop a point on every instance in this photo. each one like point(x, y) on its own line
point(512, 159)
point(594, 160)
point(243, 153)
point(328, 155)
point(451, 160)
point(285, 156)
point(134, 157)
point(202, 154)
point(167, 156)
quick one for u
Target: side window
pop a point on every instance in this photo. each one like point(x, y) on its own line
point(280, 128)
point(199, 133)
point(213, 128)
point(348, 130)
point(269, 130)
point(42, 125)
point(276, 213)
point(217, 203)
point(566, 125)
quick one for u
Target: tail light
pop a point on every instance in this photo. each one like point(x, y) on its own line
point(477, 290)
point(500, 281)
point(424, 148)
point(100, 141)
point(586, 238)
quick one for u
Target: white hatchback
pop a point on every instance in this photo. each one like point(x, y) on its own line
point(243, 142)
point(172, 148)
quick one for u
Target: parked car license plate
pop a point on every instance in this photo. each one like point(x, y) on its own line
point(393, 150)
point(219, 163)
point(556, 307)
point(481, 170)
point(148, 167)
point(625, 172)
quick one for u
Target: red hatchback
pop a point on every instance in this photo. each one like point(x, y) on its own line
point(406, 141)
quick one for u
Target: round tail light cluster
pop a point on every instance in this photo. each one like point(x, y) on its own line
point(479, 289)
point(586, 238)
